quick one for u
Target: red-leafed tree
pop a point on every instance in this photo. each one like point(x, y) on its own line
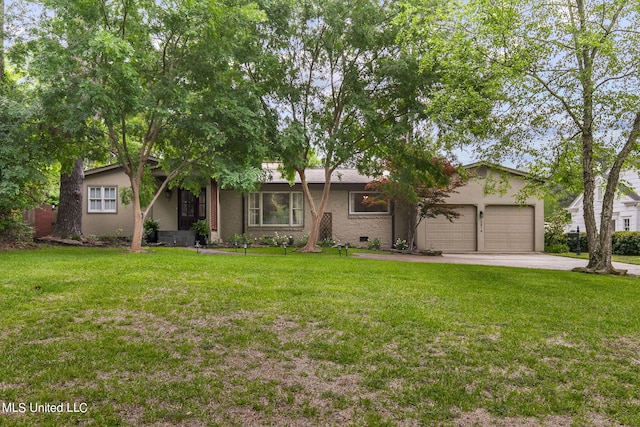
point(421, 183)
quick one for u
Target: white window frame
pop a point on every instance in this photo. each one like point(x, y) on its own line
point(101, 197)
point(255, 208)
point(352, 210)
point(626, 224)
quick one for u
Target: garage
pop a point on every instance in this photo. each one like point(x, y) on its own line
point(458, 235)
point(509, 228)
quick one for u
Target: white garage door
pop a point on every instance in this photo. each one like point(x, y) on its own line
point(457, 236)
point(509, 228)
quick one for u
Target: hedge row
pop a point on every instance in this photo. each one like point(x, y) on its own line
point(622, 243)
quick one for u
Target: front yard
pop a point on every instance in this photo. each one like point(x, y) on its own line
point(178, 338)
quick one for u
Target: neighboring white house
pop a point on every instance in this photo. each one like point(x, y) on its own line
point(626, 206)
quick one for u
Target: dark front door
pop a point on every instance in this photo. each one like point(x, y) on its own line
point(191, 208)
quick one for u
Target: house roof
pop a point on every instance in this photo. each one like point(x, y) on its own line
point(152, 160)
point(316, 175)
point(480, 164)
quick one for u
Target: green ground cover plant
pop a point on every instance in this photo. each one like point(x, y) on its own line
point(173, 337)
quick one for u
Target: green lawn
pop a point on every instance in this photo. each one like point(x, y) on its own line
point(178, 338)
point(628, 259)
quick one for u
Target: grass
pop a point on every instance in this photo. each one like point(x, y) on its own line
point(178, 338)
point(627, 259)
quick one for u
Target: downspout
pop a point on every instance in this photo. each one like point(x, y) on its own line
point(244, 215)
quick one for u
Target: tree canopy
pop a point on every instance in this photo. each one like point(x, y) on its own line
point(341, 88)
point(143, 78)
point(570, 71)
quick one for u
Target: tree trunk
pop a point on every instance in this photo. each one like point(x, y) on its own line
point(412, 225)
point(316, 214)
point(69, 221)
point(138, 216)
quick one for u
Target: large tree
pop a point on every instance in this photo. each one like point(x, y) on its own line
point(333, 69)
point(148, 78)
point(572, 76)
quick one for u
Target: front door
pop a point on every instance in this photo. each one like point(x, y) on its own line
point(192, 208)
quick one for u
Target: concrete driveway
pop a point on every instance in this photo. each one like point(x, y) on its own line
point(525, 260)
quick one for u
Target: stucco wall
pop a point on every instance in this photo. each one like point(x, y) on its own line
point(505, 189)
point(107, 223)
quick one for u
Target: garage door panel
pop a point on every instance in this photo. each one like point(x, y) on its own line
point(509, 228)
point(457, 235)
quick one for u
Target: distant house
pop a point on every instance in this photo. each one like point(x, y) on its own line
point(626, 205)
point(489, 223)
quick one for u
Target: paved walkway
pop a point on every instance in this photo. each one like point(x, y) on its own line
point(525, 260)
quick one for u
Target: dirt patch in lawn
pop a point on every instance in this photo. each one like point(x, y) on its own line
point(482, 418)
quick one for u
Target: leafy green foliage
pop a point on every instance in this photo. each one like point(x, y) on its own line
point(339, 87)
point(626, 243)
point(153, 79)
point(555, 238)
point(567, 75)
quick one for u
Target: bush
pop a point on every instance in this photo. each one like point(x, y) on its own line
point(401, 244)
point(558, 248)
point(276, 240)
point(374, 244)
point(238, 239)
point(327, 242)
point(303, 240)
point(572, 243)
point(626, 243)
point(554, 236)
point(14, 230)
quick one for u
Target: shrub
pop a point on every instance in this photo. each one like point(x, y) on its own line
point(151, 227)
point(303, 240)
point(374, 244)
point(626, 243)
point(239, 239)
point(267, 240)
point(327, 242)
point(14, 230)
point(554, 236)
point(558, 248)
point(401, 244)
point(572, 243)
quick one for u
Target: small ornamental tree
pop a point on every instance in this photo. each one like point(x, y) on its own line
point(421, 187)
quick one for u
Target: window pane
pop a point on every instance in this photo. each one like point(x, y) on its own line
point(110, 205)
point(254, 217)
point(109, 192)
point(275, 208)
point(95, 205)
point(94, 192)
point(297, 200)
point(297, 210)
point(254, 200)
point(254, 208)
point(368, 203)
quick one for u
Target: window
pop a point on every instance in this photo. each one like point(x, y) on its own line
point(102, 199)
point(276, 208)
point(367, 203)
point(626, 224)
